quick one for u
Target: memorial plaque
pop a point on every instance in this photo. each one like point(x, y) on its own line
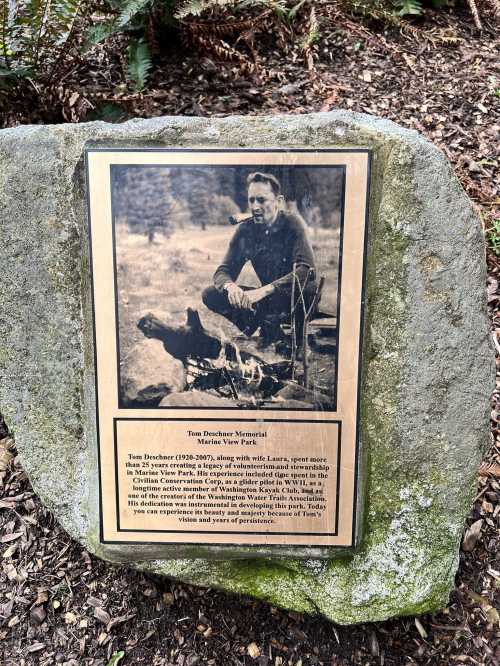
point(228, 314)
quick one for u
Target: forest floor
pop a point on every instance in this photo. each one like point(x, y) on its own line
point(58, 604)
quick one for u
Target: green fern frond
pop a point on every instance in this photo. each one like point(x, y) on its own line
point(98, 33)
point(279, 6)
point(197, 7)
point(11, 76)
point(292, 13)
point(109, 113)
point(139, 63)
point(190, 8)
point(408, 7)
point(130, 10)
point(37, 33)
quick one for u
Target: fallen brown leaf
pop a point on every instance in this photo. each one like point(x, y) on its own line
point(489, 469)
point(93, 601)
point(11, 537)
point(101, 615)
point(36, 647)
point(38, 614)
point(119, 620)
point(472, 535)
point(41, 597)
point(10, 551)
point(420, 628)
point(329, 101)
point(253, 650)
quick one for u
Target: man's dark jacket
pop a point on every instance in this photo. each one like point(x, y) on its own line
point(272, 251)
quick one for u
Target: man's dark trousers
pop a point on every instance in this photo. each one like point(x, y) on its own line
point(268, 314)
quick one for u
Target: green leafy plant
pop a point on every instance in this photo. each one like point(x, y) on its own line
point(280, 8)
point(139, 63)
point(35, 36)
point(10, 77)
point(493, 236)
point(313, 33)
point(140, 20)
point(109, 113)
point(408, 7)
point(129, 16)
point(197, 7)
point(115, 658)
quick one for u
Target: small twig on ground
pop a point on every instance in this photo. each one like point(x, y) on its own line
point(227, 375)
point(475, 14)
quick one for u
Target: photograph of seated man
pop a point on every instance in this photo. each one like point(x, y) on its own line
point(275, 242)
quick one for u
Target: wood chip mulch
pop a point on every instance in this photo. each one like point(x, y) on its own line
point(60, 605)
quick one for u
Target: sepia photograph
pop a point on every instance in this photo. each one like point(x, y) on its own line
point(227, 285)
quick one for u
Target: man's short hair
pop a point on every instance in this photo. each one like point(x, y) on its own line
point(258, 177)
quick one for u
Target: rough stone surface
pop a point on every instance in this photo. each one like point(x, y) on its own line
point(427, 372)
point(148, 374)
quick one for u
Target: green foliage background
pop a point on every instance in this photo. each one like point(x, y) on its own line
point(37, 35)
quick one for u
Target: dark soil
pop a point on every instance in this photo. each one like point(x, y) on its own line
point(58, 604)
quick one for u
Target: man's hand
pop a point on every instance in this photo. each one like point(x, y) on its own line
point(256, 295)
point(237, 297)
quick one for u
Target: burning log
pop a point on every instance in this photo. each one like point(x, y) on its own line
point(215, 363)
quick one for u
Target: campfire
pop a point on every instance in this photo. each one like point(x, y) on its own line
point(219, 366)
point(242, 380)
point(214, 363)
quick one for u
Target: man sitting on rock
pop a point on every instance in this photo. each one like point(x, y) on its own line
point(274, 241)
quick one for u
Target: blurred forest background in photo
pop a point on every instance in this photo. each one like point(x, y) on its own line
point(150, 199)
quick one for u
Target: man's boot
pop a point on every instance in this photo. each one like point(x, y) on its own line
point(270, 333)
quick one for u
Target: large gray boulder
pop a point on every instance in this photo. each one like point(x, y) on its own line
point(426, 380)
